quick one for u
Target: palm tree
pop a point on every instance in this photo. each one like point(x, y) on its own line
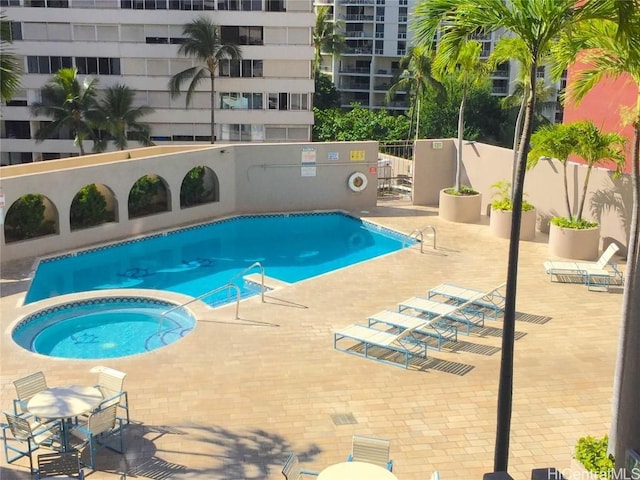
point(538, 23)
point(9, 64)
point(121, 119)
point(416, 78)
point(608, 53)
point(202, 41)
point(325, 36)
point(72, 104)
point(470, 69)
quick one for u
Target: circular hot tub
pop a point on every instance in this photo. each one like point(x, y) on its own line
point(103, 327)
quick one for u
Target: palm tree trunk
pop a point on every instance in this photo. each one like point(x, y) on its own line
point(213, 108)
point(584, 193)
point(516, 140)
point(460, 138)
point(566, 189)
point(625, 423)
point(505, 387)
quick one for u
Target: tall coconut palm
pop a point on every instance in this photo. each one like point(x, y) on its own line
point(326, 36)
point(9, 64)
point(470, 69)
point(416, 78)
point(538, 23)
point(121, 119)
point(608, 52)
point(72, 104)
point(202, 41)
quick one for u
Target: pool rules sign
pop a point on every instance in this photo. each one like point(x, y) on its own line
point(308, 162)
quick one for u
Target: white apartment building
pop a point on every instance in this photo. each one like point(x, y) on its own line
point(265, 97)
point(378, 34)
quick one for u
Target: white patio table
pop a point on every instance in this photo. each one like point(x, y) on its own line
point(64, 403)
point(356, 471)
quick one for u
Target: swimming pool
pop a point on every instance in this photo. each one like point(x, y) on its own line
point(195, 260)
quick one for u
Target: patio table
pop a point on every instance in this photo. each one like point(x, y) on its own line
point(64, 403)
point(356, 471)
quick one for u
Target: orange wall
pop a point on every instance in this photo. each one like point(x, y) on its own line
point(602, 107)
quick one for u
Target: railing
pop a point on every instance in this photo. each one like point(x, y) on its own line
point(418, 234)
point(227, 286)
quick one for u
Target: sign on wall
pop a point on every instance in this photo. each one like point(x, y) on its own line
point(308, 162)
point(356, 155)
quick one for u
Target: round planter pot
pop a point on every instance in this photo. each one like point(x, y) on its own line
point(576, 244)
point(500, 224)
point(460, 208)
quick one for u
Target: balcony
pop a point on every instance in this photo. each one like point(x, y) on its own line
point(357, 18)
point(359, 51)
point(357, 70)
point(356, 2)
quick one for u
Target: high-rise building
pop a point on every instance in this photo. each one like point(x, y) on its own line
point(265, 97)
point(377, 35)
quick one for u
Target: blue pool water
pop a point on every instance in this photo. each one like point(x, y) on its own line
point(103, 328)
point(196, 260)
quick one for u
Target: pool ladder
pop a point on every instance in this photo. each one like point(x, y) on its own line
point(227, 286)
point(419, 235)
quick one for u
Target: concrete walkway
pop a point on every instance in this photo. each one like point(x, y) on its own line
point(230, 400)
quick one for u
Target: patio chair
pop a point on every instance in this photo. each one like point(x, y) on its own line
point(59, 465)
point(111, 383)
point(592, 274)
point(291, 469)
point(371, 450)
point(101, 428)
point(27, 387)
point(435, 475)
point(27, 435)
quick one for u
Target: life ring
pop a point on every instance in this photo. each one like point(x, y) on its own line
point(357, 181)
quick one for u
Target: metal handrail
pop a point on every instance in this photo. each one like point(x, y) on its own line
point(419, 235)
point(255, 264)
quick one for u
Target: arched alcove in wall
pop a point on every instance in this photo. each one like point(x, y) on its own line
point(32, 215)
point(200, 185)
point(94, 204)
point(148, 195)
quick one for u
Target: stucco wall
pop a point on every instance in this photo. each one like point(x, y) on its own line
point(252, 178)
point(608, 200)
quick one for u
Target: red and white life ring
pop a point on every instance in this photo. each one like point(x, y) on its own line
point(357, 181)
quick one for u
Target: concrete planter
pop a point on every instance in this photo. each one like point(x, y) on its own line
point(500, 224)
point(576, 244)
point(460, 208)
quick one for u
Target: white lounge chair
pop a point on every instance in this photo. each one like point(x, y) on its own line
point(435, 328)
point(491, 299)
point(403, 342)
point(463, 313)
point(601, 273)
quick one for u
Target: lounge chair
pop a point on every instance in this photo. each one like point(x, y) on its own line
point(464, 313)
point(490, 300)
point(435, 328)
point(403, 342)
point(371, 450)
point(601, 273)
point(292, 471)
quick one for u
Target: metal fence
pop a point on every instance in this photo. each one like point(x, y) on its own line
point(395, 168)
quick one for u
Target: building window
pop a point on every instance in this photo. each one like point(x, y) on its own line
point(16, 158)
point(47, 3)
point(288, 101)
point(540, 72)
point(9, 3)
point(17, 129)
point(240, 68)
point(242, 35)
point(299, 101)
point(242, 101)
point(16, 31)
point(98, 66)
point(168, 4)
point(243, 133)
point(47, 65)
point(275, 6)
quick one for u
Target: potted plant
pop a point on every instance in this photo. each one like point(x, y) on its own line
point(573, 236)
point(461, 203)
point(501, 210)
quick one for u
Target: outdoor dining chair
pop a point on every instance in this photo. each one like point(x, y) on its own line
point(59, 465)
point(371, 450)
point(291, 469)
point(111, 386)
point(27, 435)
point(27, 387)
point(101, 428)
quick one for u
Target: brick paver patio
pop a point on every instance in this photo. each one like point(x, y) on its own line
point(232, 398)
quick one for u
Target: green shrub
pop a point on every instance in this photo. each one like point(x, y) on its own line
point(142, 196)
point(25, 219)
point(592, 453)
point(503, 200)
point(580, 224)
point(192, 191)
point(88, 208)
point(464, 190)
